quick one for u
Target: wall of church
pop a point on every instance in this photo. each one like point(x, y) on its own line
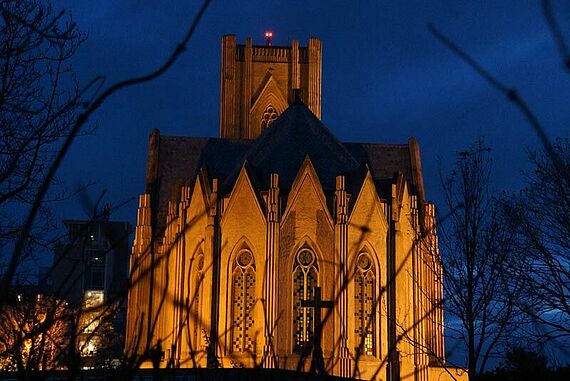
point(306, 223)
point(404, 280)
point(194, 285)
point(367, 233)
point(182, 286)
point(140, 275)
point(243, 232)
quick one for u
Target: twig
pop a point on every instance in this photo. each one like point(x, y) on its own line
point(509, 92)
point(79, 122)
point(556, 33)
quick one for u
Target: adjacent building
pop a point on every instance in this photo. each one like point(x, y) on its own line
point(90, 272)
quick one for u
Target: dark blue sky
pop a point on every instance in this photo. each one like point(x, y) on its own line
point(385, 78)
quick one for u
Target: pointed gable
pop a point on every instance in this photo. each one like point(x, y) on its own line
point(368, 211)
point(307, 183)
point(244, 204)
point(198, 204)
point(306, 209)
point(268, 104)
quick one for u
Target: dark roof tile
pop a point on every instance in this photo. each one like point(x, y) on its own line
point(282, 148)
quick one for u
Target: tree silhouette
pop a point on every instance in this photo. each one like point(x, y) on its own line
point(541, 217)
point(34, 333)
point(38, 103)
point(475, 250)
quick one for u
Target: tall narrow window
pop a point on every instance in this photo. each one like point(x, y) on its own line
point(305, 277)
point(243, 301)
point(196, 306)
point(268, 117)
point(364, 305)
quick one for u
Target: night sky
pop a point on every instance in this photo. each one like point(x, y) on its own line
point(385, 78)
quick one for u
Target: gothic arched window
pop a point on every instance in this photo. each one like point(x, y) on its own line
point(196, 304)
point(364, 305)
point(305, 278)
point(243, 301)
point(268, 116)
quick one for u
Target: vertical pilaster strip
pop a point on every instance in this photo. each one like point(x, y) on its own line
point(211, 247)
point(178, 285)
point(341, 242)
point(228, 125)
point(427, 283)
point(167, 307)
point(246, 130)
point(272, 246)
point(416, 308)
point(436, 287)
point(440, 334)
point(393, 365)
point(139, 281)
point(180, 281)
point(295, 68)
point(314, 80)
point(420, 313)
point(155, 319)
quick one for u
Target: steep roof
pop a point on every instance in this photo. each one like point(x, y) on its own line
point(384, 161)
point(296, 134)
point(281, 149)
point(174, 161)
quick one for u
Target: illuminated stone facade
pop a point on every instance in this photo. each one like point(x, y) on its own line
point(234, 232)
point(259, 82)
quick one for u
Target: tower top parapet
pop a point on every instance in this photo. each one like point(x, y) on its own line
point(258, 82)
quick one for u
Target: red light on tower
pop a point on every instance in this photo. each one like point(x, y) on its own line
point(268, 36)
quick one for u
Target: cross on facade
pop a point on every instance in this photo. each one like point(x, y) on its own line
point(317, 361)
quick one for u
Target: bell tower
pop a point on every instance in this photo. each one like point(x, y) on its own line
point(259, 82)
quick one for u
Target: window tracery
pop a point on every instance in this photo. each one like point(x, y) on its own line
point(364, 305)
point(243, 300)
point(268, 116)
point(305, 278)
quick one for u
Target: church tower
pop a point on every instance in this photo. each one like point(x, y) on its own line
point(258, 83)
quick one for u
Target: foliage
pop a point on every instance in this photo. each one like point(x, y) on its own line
point(33, 333)
point(523, 364)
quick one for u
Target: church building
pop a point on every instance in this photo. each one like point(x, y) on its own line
point(276, 245)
